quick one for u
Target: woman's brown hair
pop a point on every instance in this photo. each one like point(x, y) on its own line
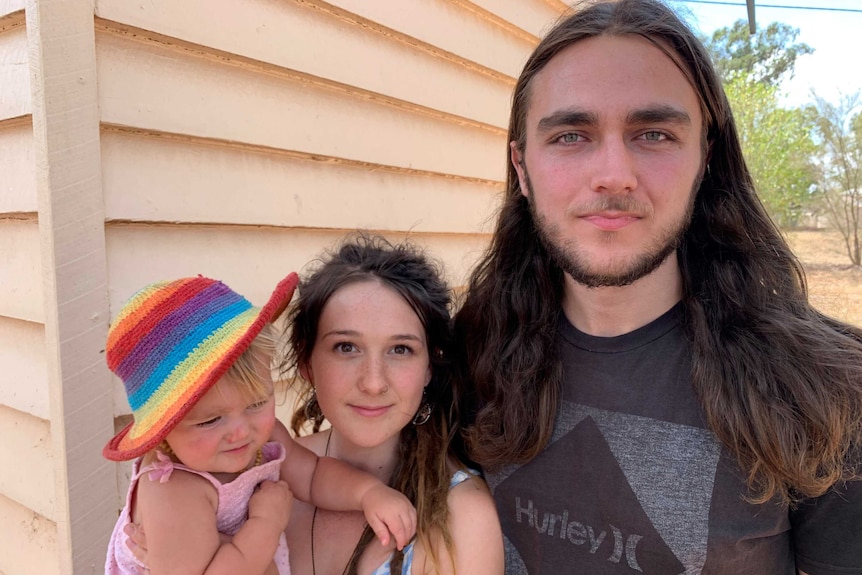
point(423, 472)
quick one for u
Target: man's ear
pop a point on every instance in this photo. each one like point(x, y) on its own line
point(517, 158)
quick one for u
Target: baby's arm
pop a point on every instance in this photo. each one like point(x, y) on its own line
point(179, 519)
point(332, 484)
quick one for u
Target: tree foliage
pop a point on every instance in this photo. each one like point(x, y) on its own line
point(777, 141)
point(769, 56)
point(840, 128)
point(778, 147)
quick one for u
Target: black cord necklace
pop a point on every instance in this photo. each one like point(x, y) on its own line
point(314, 517)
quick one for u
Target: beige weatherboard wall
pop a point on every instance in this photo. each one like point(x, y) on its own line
point(232, 138)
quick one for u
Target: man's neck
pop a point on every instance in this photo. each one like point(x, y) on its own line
point(611, 311)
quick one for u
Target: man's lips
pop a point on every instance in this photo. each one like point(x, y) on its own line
point(610, 221)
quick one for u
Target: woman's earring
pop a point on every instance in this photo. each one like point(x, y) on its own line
point(312, 409)
point(423, 414)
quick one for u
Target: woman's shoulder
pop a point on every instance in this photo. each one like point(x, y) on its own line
point(474, 527)
point(469, 493)
point(316, 442)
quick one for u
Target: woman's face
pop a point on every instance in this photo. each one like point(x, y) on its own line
point(369, 364)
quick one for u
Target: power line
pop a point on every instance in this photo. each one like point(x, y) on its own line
point(758, 5)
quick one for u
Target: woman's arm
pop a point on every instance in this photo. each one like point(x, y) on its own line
point(180, 522)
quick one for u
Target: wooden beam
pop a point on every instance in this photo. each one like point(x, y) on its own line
point(66, 150)
point(752, 23)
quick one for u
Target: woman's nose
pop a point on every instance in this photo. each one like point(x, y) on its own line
point(373, 379)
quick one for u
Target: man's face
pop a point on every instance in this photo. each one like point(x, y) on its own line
point(612, 160)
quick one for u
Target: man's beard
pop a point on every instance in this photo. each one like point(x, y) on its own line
point(576, 264)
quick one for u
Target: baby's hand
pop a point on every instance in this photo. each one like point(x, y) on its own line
point(389, 511)
point(271, 502)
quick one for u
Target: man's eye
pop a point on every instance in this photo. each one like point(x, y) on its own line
point(655, 136)
point(570, 138)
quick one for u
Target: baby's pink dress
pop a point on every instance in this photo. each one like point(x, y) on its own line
point(232, 507)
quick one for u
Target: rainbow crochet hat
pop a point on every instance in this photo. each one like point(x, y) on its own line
point(171, 342)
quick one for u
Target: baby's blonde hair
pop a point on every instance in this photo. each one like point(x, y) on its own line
point(257, 359)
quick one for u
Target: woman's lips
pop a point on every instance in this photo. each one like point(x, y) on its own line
point(370, 411)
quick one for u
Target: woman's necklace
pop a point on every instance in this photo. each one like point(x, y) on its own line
point(314, 517)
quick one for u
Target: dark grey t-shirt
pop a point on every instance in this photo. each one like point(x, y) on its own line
point(633, 482)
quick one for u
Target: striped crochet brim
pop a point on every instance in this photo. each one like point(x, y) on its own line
point(171, 342)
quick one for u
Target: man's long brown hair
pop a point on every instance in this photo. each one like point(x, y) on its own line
point(780, 383)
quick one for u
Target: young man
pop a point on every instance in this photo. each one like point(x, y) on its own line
point(651, 390)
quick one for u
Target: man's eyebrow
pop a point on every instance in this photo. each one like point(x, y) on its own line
point(659, 115)
point(567, 118)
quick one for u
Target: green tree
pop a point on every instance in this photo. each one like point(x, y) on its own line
point(777, 141)
point(768, 56)
point(840, 128)
point(778, 147)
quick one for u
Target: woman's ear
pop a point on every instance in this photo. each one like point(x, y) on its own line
point(305, 372)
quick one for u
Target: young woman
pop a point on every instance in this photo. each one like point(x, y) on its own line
point(369, 343)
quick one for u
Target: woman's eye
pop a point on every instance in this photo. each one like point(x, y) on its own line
point(402, 349)
point(344, 347)
point(209, 422)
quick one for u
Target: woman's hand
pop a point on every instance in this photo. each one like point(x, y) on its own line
point(137, 542)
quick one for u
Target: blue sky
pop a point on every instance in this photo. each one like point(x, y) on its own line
point(836, 65)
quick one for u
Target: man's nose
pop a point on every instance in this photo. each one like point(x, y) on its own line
point(613, 167)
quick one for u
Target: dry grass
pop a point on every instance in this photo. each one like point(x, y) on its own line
point(834, 286)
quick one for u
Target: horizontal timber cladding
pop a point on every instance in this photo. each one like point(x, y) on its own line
point(161, 178)
point(446, 26)
point(28, 541)
point(20, 269)
point(26, 461)
point(150, 87)
point(24, 377)
point(14, 68)
point(8, 8)
point(531, 17)
point(251, 259)
point(17, 167)
point(331, 45)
